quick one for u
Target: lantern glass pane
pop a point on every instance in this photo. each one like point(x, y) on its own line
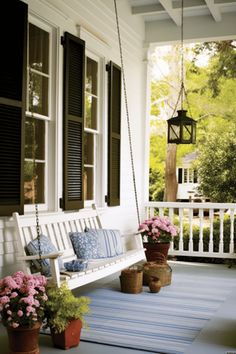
point(187, 130)
point(174, 132)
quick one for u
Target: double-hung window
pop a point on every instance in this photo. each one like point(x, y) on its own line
point(91, 128)
point(38, 115)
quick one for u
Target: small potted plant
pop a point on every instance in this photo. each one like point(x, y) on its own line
point(157, 233)
point(65, 316)
point(22, 310)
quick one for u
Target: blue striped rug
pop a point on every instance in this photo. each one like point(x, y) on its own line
point(167, 322)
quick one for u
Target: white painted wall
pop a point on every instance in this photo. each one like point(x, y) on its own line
point(94, 21)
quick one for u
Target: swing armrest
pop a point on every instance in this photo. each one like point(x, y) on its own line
point(53, 255)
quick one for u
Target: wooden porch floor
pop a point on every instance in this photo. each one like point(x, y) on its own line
point(217, 337)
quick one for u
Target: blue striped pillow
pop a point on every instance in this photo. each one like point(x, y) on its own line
point(109, 241)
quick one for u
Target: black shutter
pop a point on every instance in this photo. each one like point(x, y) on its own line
point(180, 175)
point(13, 26)
point(73, 127)
point(114, 127)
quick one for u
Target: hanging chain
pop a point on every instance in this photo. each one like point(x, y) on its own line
point(127, 114)
point(34, 196)
point(182, 91)
point(182, 54)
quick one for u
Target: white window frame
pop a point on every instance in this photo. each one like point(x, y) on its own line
point(49, 171)
point(97, 133)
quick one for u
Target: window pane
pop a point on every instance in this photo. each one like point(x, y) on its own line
point(195, 176)
point(38, 48)
point(33, 186)
point(190, 175)
point(38, 94)
point(88, 183)
point(88, 149)
point(34, 138)
point(91, 76)
point(185, 175)
point(91, 112)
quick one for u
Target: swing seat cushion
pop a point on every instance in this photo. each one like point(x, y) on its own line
point(96, 243)
point(47, 247)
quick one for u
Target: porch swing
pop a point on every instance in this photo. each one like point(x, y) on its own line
point(57, 227)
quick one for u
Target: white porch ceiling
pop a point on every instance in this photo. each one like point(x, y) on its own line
point(203, 19)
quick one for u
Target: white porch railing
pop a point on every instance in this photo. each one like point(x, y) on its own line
point(205, 229)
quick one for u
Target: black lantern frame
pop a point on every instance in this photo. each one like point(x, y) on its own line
point(181, 129)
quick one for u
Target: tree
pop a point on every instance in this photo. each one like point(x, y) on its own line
point(217, 167)
point(223, 62)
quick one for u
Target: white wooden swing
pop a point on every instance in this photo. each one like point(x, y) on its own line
point(58, 225)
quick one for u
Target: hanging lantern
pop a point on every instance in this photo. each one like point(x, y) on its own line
point(181, 129)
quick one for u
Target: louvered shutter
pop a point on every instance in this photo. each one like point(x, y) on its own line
point(114, 127)
point(12, 105)
point(73, 128)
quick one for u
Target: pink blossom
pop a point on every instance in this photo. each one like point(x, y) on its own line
point(4, 300)
point(20, 313)
point(15, 325)
point(10, 283)
point(13, 295)
point(30, 309)
point(24, 296)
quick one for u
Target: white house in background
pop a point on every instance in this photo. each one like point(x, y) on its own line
point(61, 103)
point(187, 178)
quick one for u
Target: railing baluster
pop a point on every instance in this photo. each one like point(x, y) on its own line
point(201, 214)
point(161, 212)
point(211, 219)
point(181, 243)
point(221, 243)
point(171, 217)
point(231, 245)
point(190, 216)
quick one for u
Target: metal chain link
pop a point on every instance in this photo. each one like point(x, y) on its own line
point(35, 191)
point(182, 91)
point(127, 114)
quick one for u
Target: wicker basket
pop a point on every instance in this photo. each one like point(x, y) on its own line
point(131, 281)
point(159, 269)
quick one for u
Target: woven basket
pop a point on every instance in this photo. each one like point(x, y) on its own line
point(131, 281)
point(159, 269)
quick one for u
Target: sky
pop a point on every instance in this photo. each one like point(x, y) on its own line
point(159, 66)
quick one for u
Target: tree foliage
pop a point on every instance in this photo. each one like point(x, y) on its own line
point(223, 62)
point(217, 167)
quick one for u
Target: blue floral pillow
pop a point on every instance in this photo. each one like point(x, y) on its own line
point(86, 245)
point(46, 247)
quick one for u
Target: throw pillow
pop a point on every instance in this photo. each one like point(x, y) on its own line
point(109, 240)
point(86, 245)
point(46, 247)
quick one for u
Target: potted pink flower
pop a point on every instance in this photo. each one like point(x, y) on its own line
point(157, 233)
point(22, 304)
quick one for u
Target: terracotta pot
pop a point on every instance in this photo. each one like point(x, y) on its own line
point(154, 285)
point(68, 338)
point(24, 339)
point(152, 250)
